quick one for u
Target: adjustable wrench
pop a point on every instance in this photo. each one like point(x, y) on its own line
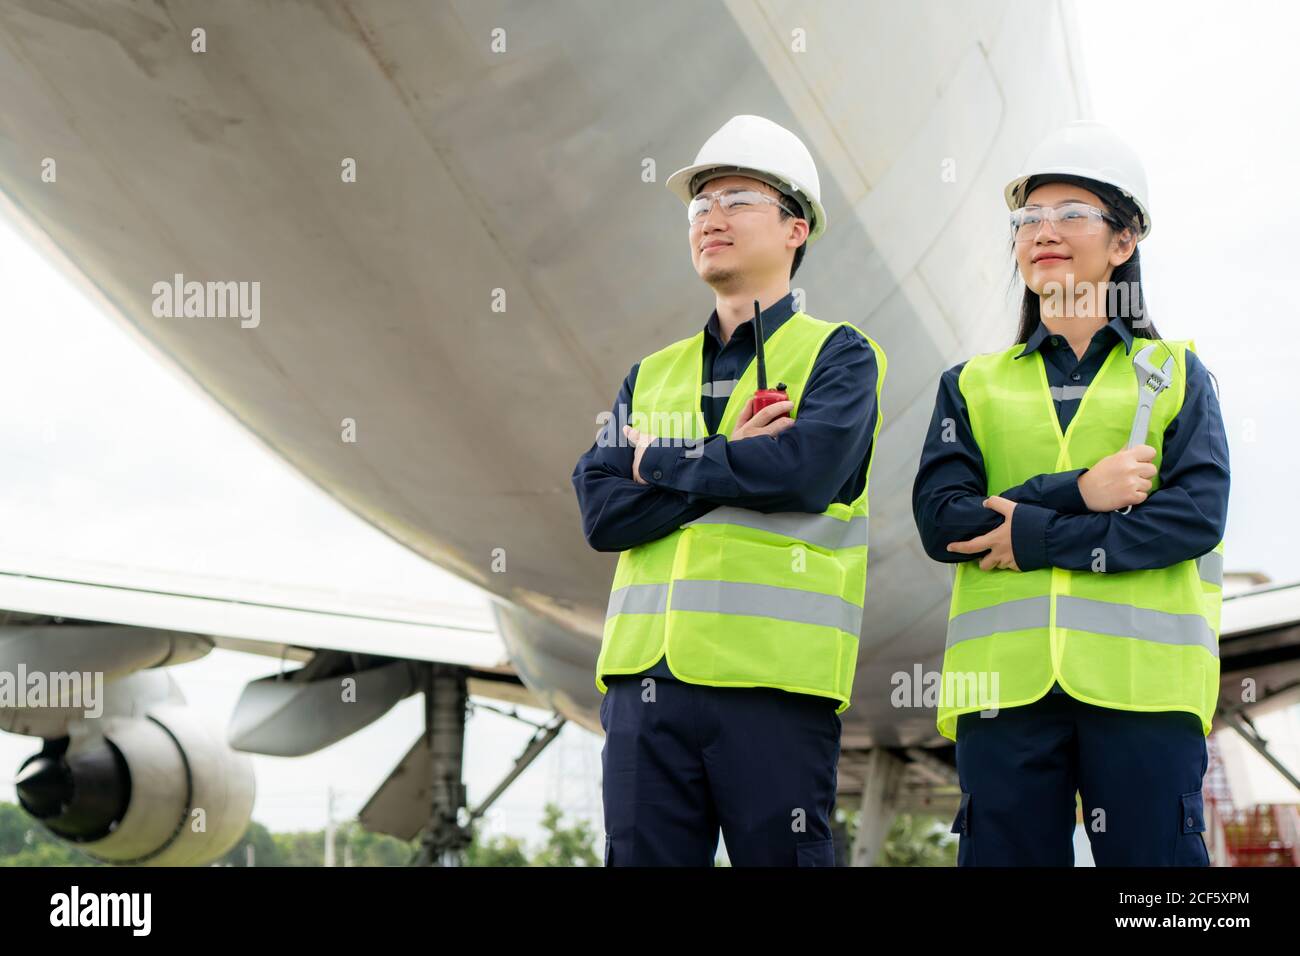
point(1151, 382)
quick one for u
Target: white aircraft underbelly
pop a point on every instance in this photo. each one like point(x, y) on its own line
point(474, 299)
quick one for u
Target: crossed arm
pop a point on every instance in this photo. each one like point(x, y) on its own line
point(1050, 525)
point(802, 468)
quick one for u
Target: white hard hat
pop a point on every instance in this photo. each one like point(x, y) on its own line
point(756, 147)
point(1088, 150)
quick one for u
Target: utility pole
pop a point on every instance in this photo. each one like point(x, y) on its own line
point(329, 826)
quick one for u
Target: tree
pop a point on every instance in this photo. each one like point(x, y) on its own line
point(914, 839)
point(24, 841)
point(571, 846)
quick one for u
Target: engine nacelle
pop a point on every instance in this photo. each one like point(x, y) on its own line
point(158, 790)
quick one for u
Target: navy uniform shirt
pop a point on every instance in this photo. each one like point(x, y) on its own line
point(1051, 526)
point(822, 458)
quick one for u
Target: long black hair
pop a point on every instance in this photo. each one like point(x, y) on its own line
point(1126, 276)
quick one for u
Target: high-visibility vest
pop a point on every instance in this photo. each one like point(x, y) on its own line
point(737, 597)
point(1133, 640)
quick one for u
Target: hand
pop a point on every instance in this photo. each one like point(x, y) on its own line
point(1118, 480)
point(768, 421)
point(998, 540)
point(642, 442)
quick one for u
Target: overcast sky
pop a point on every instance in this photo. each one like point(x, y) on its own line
point(1207, 100)
point(110, 457)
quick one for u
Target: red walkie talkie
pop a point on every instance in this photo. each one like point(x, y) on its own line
point(765, 396)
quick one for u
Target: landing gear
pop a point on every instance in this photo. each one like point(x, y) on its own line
point(446, 698)
point(444, 839)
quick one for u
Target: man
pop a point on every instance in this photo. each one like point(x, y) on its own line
point(732, 629)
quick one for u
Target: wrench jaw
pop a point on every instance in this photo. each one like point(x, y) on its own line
point(1160, 378)
point(1150, 378)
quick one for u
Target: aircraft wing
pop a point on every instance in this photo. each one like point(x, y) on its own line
point(1259, 646)
point(272, 620)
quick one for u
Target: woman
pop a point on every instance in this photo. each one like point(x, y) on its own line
point(1082, 645)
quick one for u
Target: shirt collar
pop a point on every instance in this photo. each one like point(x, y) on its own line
point(1042, 333)
point(774, 317)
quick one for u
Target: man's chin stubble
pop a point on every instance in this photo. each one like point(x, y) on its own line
point(720, 277)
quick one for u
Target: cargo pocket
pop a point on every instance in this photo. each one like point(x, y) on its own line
point(816, 853)
point(961, 825)
point(1191, 849)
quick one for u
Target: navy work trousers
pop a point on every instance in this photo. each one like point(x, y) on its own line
point(681, 760)
point(1138, 774)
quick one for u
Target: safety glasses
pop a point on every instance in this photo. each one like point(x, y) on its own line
point(732, 201)
point(1069, 219)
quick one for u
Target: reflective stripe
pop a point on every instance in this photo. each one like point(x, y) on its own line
point(1210, 565)
point(638, 599)
point(1067, 393)
point(824, 531)
point(1124, 620)
point(719, 389)
point(1009, 616)
point(767, 600)
point(1084, 614)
